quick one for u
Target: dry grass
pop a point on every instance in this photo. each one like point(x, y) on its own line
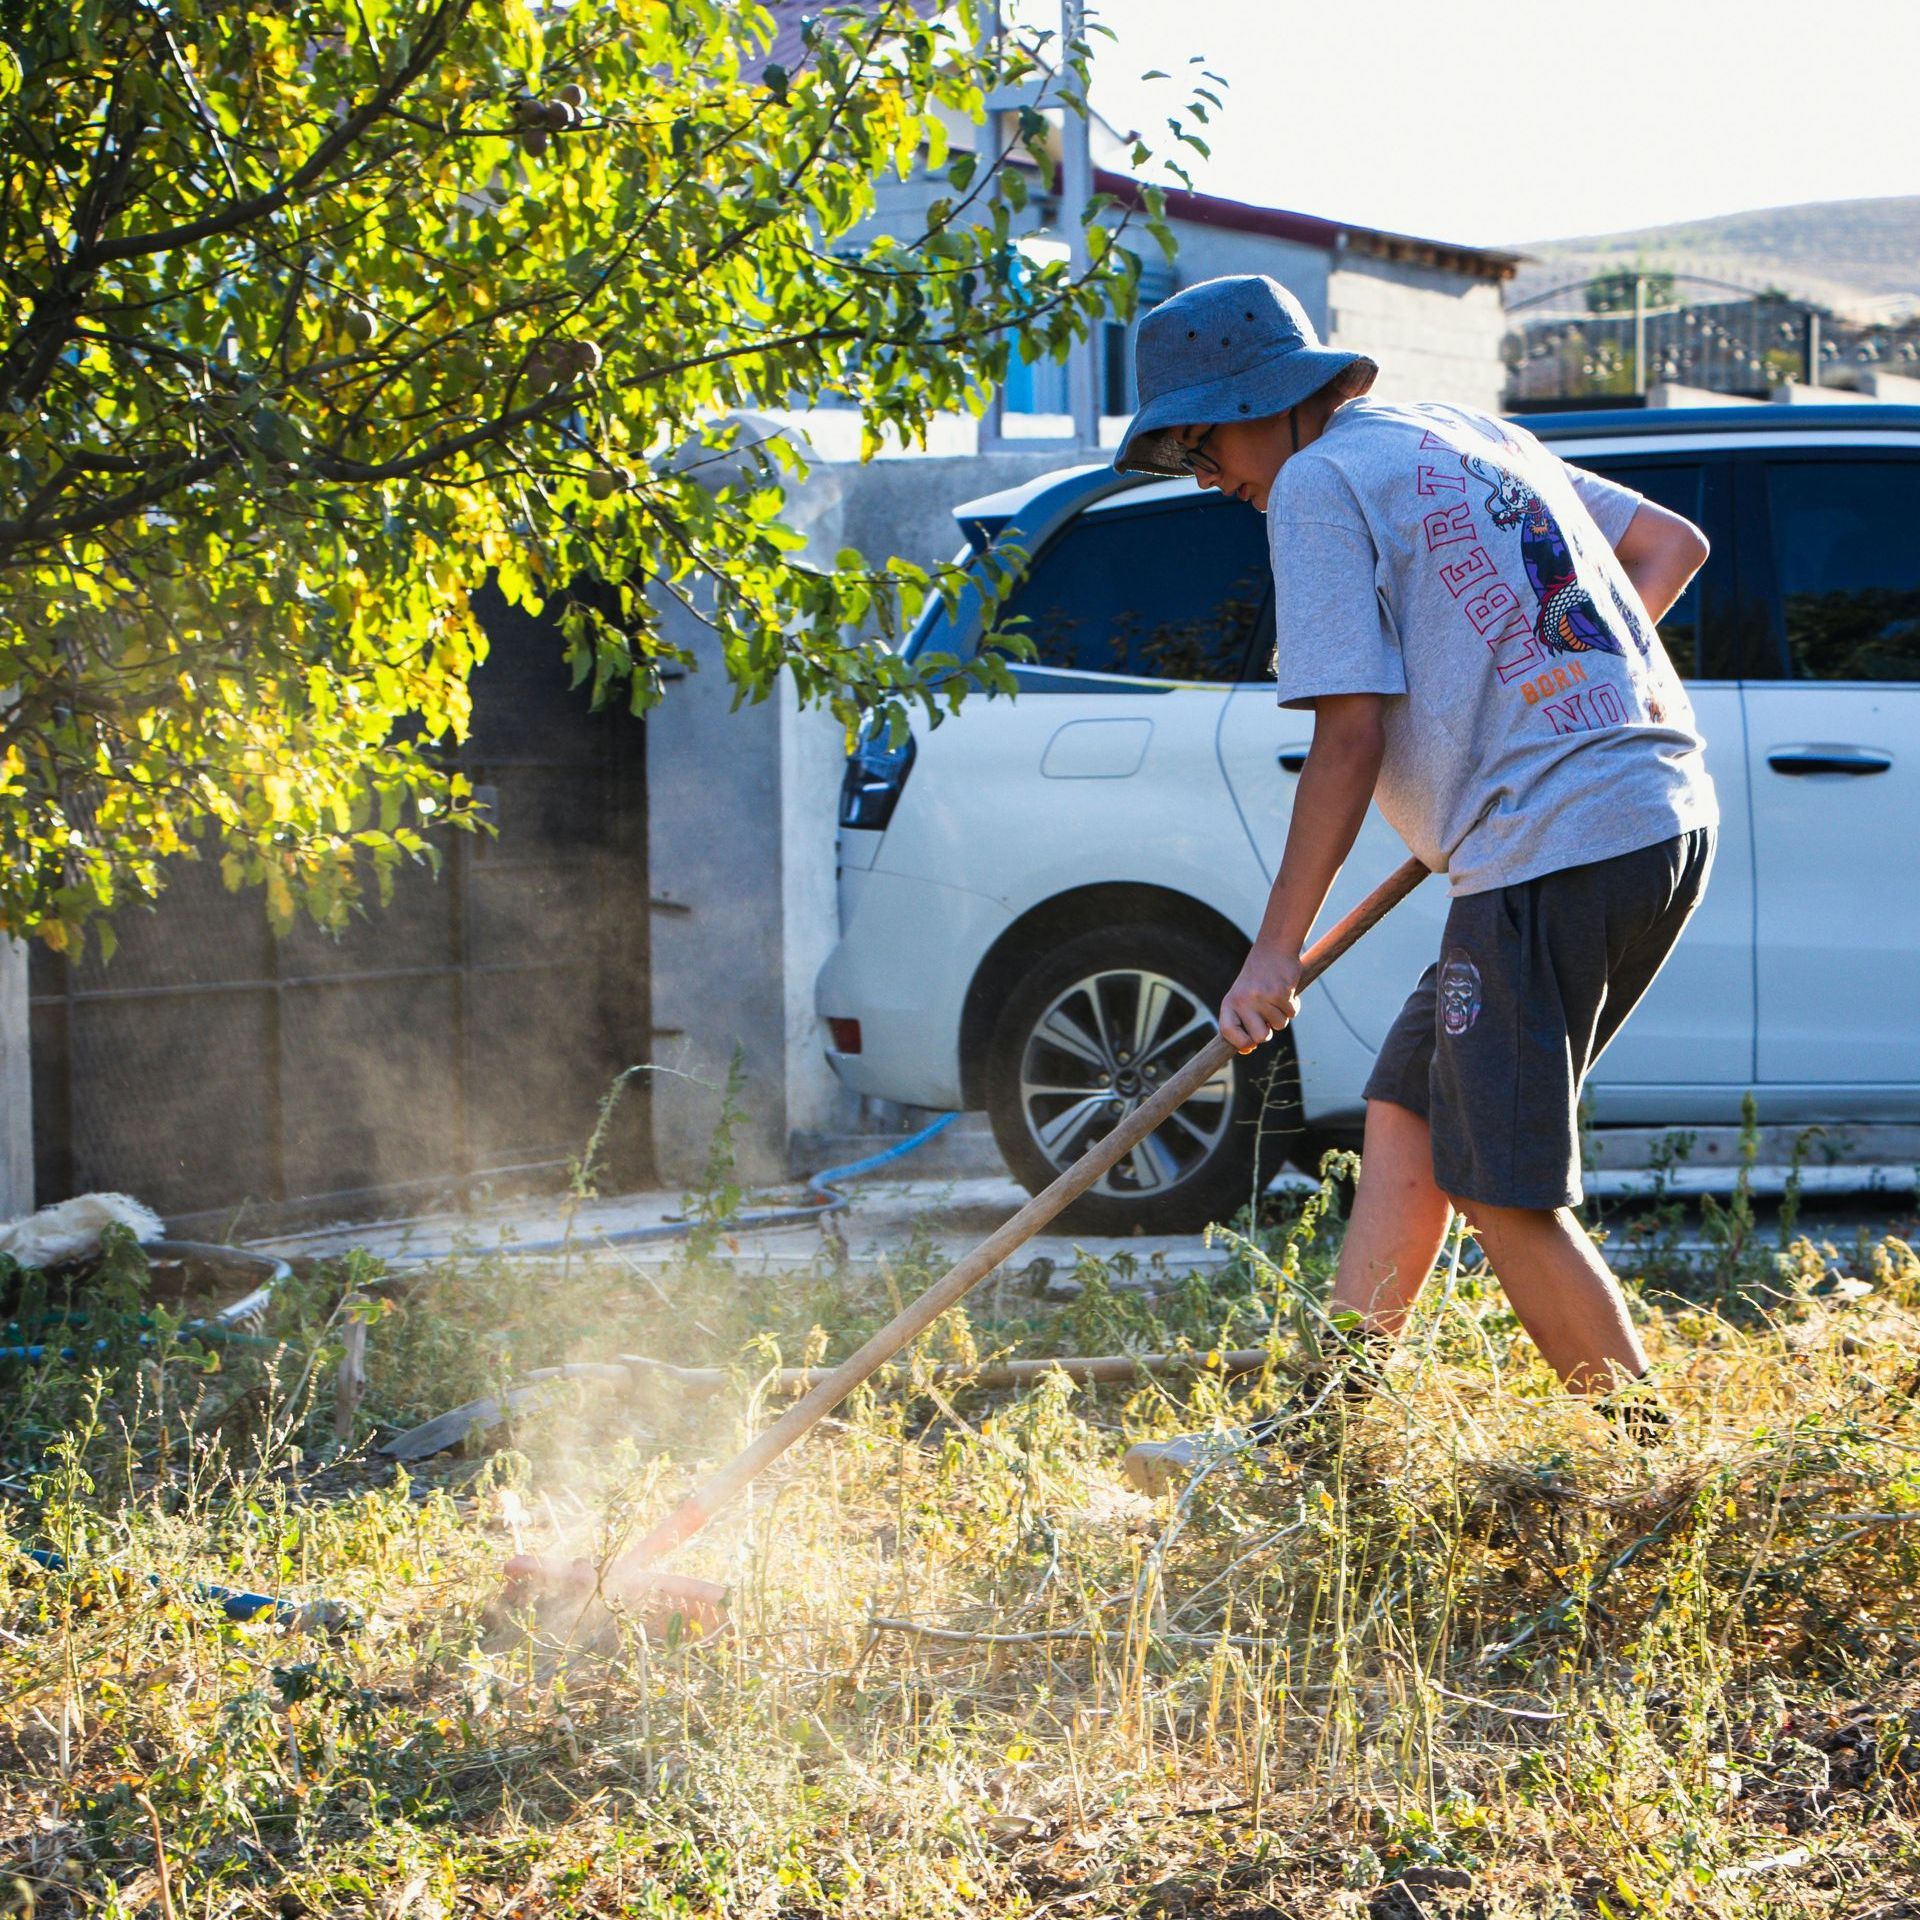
point(1496, 1660)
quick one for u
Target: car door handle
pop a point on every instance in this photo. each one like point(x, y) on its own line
point(1292, 759)
point(1814, 759)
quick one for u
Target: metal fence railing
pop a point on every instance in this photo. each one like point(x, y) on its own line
point(1615, 335)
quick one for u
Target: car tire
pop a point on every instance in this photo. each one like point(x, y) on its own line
point(1135, 1002)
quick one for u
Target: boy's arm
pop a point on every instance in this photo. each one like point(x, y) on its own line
point(1660, 552)
point(1331, 801)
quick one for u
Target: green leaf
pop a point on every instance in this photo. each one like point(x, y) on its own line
point(466, 351)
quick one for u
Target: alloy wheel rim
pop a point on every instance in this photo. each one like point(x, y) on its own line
point(1100, 1047)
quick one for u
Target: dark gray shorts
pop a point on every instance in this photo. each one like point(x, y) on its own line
point(1533, 980)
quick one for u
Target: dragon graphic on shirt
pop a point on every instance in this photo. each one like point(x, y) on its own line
point(1568, 621)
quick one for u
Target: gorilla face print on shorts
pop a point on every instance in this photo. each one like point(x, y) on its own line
point(1459, 991)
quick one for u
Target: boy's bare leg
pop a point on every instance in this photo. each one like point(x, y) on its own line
point(1565, 1294)
point(1399, 1221)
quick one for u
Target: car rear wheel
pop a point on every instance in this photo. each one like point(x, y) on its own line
point(1091, 1030)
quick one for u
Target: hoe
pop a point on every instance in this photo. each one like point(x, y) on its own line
point(659, 1599)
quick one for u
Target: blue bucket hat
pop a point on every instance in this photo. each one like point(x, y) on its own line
point(1237, 348)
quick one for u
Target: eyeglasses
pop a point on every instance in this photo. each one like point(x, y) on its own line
point(1195, 459)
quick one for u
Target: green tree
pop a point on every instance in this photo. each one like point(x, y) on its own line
point(316, 315)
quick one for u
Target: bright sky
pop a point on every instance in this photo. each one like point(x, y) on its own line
point(1470, 121)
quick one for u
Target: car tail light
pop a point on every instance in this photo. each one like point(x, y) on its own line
point(876, 773)
point(846, 1035)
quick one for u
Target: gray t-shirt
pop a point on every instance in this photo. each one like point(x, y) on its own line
point(1447, 560)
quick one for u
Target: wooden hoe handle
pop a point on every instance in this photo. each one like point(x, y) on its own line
point(727, 1482)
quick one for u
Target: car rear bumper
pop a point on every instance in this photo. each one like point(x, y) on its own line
point(908, 952)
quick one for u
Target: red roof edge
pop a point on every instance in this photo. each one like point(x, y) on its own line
point(1209, 210)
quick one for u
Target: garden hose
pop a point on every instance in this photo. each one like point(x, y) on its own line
point(225, 1327)
point(233, 1602)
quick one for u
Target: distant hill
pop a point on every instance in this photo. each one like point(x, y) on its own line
point(1857, 256)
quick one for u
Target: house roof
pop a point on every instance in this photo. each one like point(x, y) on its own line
point(787, 15)
point(1209, 210)
point(1206, 209)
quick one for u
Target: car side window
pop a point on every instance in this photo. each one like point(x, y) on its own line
point(1680, 487)
point(1845, 535)
point(1175, 590)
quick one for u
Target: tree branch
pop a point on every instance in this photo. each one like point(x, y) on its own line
point(18, 533)
point(242, 213)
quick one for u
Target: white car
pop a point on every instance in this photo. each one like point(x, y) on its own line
point(1044, 899)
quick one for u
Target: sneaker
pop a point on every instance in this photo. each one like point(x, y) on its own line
point(1636, 1411)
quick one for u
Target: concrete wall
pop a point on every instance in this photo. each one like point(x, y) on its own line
point(713, 820)
point(741, 816)
point(1892, 389)
point(1673, 393)
point(905, 507)
point(1796, 393)
point(1435, 333)
point(16, 1085)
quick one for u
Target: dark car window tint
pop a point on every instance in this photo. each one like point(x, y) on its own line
point(1680, 488)
point(1167, 592)
point(1846, 558)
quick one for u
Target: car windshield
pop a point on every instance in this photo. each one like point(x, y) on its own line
point(1171, 590)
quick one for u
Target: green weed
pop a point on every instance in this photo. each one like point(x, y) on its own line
point(1489, 1657)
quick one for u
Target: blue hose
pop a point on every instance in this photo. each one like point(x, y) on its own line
point(34, 1354)
point(223, 1327)
point(823, 1182)
point(235, 1605)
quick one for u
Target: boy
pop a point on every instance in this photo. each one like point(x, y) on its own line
point(1472, 624)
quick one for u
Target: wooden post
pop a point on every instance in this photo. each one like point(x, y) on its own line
point(352, 1381)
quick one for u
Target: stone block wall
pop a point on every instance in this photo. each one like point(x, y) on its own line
point(1436, 333)
point(1207, 252)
